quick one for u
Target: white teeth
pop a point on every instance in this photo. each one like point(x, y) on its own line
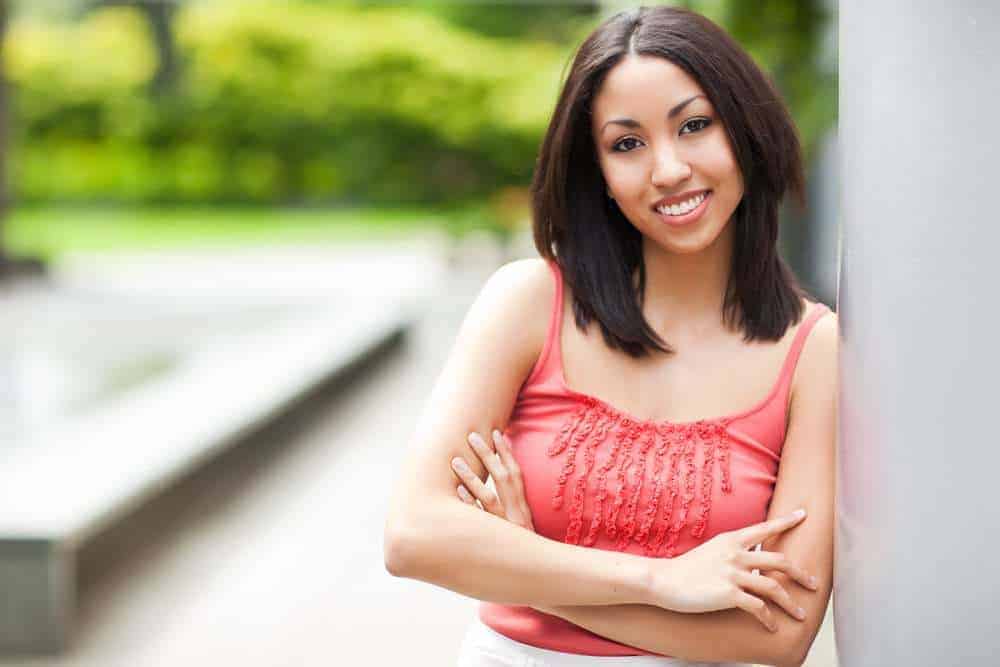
point(683, 207)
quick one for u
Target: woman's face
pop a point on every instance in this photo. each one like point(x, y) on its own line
point(656, 137)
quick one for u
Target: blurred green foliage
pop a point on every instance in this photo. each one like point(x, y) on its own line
point(560, 23)
point(285, 102)
point(52, 230)
point(320, 102)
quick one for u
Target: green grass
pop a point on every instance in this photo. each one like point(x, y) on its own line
point(48, 232)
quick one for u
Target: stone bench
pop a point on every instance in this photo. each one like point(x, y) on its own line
point(65, 484)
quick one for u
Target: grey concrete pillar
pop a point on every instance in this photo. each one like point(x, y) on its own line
point(917, 568)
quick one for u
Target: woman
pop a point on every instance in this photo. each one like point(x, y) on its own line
point(625, 514)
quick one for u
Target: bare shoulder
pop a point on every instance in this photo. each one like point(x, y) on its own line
point(823, 340)
point(525, 284)
point(519, 297)
point(818, 361)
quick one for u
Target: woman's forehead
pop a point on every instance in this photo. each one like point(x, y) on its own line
point(643, 85)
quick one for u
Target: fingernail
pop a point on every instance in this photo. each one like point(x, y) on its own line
point(799, 513)
point(813, 581)
point(474, 439)
point(464, 493)
point(459, 464)
point(800, 613)
point(496, 436)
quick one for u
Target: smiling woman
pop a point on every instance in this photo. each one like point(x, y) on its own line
point(643, 511)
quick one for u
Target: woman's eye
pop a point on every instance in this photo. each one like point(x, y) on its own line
point(693, 125)
point(618, 146)
point(698, 123)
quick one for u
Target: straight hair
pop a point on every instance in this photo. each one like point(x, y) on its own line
point(598, 250)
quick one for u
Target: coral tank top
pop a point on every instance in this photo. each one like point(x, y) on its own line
point(598, 477)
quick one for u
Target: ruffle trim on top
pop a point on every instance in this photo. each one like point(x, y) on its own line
point(675, 446)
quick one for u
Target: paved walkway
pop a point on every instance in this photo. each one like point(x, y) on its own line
point(272, 555)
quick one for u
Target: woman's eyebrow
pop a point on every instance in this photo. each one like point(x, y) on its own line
point(629, 122)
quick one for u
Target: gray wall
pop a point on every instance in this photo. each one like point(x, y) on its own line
point(917, 574)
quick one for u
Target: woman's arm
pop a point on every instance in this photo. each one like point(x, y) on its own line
point(478, 555)
point(430, 534)
point(806, 478)
point(731, 635)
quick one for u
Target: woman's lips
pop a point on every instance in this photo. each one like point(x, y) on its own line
point(689, 217)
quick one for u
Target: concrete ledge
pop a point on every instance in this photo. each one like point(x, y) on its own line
point(70, 482)
point(37, 606)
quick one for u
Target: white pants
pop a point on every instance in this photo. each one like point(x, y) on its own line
point(485, 647)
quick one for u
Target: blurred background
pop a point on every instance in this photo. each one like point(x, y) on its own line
point(236, 241)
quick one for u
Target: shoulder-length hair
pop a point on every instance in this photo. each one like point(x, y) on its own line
point(598, 250)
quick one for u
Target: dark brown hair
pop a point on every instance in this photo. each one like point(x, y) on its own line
point(598, 249)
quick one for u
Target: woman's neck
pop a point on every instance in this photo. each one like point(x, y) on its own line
point(685, 292)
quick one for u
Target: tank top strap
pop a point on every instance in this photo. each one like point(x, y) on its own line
point(551, 355)
point(792, 358)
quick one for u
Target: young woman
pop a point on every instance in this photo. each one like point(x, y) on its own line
point(660, 391)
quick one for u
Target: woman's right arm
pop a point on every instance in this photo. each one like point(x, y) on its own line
point(430, 534)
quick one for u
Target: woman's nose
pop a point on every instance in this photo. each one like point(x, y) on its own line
point(669, 169)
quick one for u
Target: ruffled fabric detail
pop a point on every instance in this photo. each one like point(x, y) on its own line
point(678, 492)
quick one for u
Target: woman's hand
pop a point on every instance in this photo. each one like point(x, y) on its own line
point(499, 461)
point(717, 574)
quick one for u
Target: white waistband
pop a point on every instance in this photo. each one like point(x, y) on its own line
point(485, 640)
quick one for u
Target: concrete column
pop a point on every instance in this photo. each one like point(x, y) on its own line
point(918, 573)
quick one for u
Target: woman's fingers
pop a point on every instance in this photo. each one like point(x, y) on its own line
point(757, 533)
point(757, 608)
point(486, 455)
point(767, 587)
point(466, 497)
point(502, 445)
point(490, 501)
point(508, 486)
point(777, 561)
point(496, 470)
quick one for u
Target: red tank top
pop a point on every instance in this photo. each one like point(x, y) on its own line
point(598, 477)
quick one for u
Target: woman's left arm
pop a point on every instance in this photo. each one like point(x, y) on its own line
point(806, 478)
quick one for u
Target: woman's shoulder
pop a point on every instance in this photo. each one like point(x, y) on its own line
point(519, 298)
point(823, 330)
point(824, 336)
point(818, 360)
point(826, 316)
point(526, 283)
point(531, 289)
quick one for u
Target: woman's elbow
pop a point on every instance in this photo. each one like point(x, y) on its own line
point(789, 662)
point(396, 548)
point(407, 537)
point(392, 553)
point(794, 650)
